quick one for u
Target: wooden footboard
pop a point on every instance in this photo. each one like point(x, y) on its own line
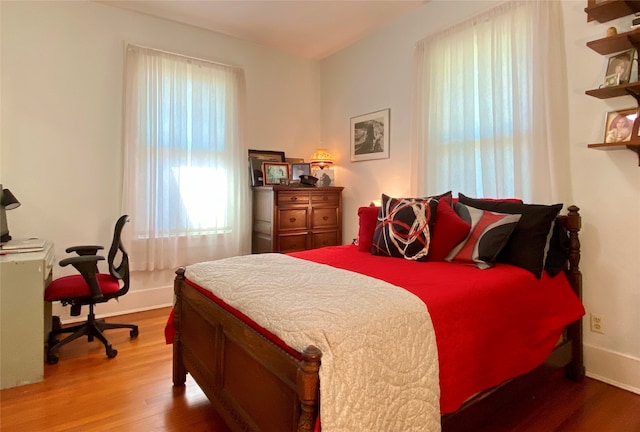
point(252, 383)
point(257, 386)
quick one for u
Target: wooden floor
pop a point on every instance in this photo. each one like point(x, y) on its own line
point(86, 391)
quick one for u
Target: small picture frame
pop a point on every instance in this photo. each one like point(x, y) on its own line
point(256, 157)
point(298, 169)
point(619, 125)
point(275, 173)
point(255, 171)
point(370, 136)
point(326, 177)
point(621, 65)
point(267, 155)
point(611, 80)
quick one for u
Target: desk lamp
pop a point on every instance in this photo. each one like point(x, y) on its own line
point(8, 201)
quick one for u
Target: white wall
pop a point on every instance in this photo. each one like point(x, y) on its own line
point(62, 83)
point(377, 73)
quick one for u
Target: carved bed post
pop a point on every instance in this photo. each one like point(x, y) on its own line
point(308, 388)
point(179, 371)
point(575, 370)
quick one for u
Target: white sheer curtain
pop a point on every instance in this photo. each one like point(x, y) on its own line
point(185, 165)
point(491, 111)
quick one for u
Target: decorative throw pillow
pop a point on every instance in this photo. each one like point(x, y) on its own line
point(404, 227)
point(528, 243)
point(448, 231)
point(558, 252)
point(367, 218)
point(489, 233)
point(447, 197)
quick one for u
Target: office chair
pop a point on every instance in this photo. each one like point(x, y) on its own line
point(89, 288)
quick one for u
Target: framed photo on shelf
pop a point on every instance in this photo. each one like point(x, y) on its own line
point(611, 80)
point(370, 136)
point(619, 125)
point(620, 65)
point(298, 169)
point(274, 172)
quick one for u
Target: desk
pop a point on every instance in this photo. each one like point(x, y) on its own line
point(25, 318)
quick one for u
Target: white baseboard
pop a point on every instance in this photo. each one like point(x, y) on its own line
point(612, 367)
point(133, 301)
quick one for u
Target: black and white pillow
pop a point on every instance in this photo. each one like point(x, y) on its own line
point(404, 227)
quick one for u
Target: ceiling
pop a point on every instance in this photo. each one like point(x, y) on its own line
point(311, 29)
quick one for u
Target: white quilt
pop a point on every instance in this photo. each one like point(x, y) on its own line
point(355, 320)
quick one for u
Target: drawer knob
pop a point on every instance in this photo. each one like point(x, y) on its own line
point(292, 220)
point(294, 198)
point(325, 218)
point(325, 198)
point(326, 242)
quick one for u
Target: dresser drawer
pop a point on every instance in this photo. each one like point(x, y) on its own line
point(319, 240)
point(324, 217)
point(292, 243)
point(292, 219)
point(292, 198)
point(329, 198)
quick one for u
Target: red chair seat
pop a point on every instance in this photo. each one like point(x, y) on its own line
point(74, 286)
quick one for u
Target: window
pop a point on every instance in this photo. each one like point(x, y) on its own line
point(185, 166)
point(486, 106)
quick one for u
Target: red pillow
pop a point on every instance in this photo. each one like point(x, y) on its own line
point(368, 218)
point(449, 230)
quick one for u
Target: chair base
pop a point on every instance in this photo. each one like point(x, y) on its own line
point(92, 328)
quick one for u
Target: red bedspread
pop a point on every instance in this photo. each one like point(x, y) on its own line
point(491, 325)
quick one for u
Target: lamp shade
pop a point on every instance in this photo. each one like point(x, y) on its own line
point(321, 158)
point(8, 200)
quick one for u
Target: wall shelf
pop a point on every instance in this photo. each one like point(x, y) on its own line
point(603, 11)
point(631, 145)
point(608, 10)
point(616, 43)
point(629, 89)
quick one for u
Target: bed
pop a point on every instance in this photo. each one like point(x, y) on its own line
point(257, 381)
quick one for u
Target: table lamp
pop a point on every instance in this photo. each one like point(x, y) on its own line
point(321, 158)
point(8, 201)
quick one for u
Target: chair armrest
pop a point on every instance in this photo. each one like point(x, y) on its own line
point(84, 250)
point(87, 266)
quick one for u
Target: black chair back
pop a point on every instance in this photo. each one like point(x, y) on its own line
point(117, 251)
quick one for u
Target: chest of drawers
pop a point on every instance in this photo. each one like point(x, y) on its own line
point(289, 219)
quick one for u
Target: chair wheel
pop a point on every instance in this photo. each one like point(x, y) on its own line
point(111, 353)
point(133, 333)
point(52, 359)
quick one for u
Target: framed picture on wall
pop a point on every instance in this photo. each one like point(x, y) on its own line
point(370, 136)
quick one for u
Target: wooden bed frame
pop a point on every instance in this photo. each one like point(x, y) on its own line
point(257, 386)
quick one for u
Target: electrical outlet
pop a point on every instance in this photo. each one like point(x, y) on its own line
point(597, 323)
